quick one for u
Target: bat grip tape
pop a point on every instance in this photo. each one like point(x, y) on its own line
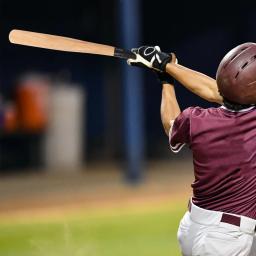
point(124, 54)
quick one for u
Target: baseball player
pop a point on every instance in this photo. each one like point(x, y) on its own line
point(221, 216)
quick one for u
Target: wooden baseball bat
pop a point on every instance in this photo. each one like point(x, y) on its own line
point(66, 44)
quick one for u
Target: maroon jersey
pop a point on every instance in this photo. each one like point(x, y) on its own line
point(223, 143)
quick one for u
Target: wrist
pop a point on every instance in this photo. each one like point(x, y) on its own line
point(165, 63)
point(164, 78)
point(169, 67)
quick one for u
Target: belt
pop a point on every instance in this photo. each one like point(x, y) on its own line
point(226, 218)
point(231, 219)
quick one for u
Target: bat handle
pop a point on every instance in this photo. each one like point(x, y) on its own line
point(124, 54)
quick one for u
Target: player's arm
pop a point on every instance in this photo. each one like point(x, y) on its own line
point(169, 107)
point(198, 83)
point(151, 57)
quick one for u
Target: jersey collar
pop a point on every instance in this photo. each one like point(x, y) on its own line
point(238, 111)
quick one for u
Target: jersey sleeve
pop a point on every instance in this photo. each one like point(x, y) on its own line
point(179, 134)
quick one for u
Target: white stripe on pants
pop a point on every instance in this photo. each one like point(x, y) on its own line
point(201, 233)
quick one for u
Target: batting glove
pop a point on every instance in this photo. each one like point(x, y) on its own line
point(150, 57)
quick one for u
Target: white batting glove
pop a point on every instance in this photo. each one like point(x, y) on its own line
point(150, 57)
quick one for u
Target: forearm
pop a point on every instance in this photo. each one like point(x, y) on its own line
point(169, 107)
point(198, 83)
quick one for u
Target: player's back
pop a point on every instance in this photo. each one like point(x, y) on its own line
point(224, 152)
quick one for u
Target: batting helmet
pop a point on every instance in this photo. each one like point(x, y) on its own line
point(236, 74)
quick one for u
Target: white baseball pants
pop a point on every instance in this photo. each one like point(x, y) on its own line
point(202, 233)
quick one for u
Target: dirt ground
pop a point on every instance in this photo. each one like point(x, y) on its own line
point(101, 185)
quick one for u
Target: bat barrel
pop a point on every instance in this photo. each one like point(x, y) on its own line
point(60, 43)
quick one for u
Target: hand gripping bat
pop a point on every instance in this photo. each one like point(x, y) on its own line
point(66, 44)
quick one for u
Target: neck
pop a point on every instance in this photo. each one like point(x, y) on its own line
point(235, 106)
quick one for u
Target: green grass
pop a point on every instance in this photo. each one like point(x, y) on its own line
point(146, 231)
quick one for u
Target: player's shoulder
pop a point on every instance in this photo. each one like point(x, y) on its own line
point(200, 112)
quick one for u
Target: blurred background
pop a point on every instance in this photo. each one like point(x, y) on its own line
point(81, 143)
